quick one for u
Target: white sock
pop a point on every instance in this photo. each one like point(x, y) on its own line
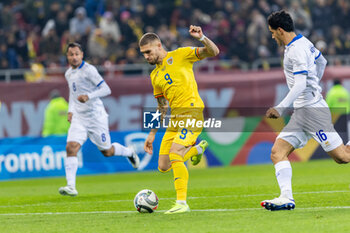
point(348, 144)
point(181, 202)
point(120, 150)
point(71, 167)
point(199, 149)
point(284, 178)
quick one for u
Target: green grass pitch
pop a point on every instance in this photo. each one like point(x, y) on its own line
point(223, 199)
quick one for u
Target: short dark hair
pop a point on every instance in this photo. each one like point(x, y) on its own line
point(73, 45)
point(281, 19)
point(336, 82)
point(148, 38)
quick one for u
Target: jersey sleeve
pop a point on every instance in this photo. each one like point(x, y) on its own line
point(190, 53)
point(157, 95)
point(157, 92)
point(321, 64)
point(299, 61)
point(94, 76)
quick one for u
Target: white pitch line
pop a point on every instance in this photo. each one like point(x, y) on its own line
point(202, 197)
point(161, 211)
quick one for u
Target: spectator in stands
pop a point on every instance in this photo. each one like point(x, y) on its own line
point(256, 29)
point(110, 27)
point(8, 51)
point(33, 44)
point(302, 19)
point(150, 16)
point(94, 8)
point(50, 47)
point(97, 44)
point(338, 98)
point(6, 17)
point(81, 24)
point(231, 24)
point(61, 23)
point(336, 38)
point(321, 15)
point(55, 121)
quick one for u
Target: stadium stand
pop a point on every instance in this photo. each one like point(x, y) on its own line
point(37, 31)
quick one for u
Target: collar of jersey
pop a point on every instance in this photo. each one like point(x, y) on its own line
point(295, 38)
point(81, 65)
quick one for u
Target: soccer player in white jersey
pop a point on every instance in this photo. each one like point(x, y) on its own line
point(87, 116)
point(303, 67)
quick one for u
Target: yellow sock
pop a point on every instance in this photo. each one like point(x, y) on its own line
point(192, 152)
point(180, 176)
point(163, 171)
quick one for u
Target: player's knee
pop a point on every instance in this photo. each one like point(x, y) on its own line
point(276, 156)
point(164, 167)
point(72, 149)
point(342, 159)
point(340, 155)
point(107, 153)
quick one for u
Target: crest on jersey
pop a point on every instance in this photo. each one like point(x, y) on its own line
point(170, 61)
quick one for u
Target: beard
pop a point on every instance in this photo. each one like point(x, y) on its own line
point(75, 64)
point(279, 42)
point(155, 61)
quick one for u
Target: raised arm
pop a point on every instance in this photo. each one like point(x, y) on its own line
point(210, 49)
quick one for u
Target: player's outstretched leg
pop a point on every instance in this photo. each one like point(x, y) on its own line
point(278, 203)
point(129, 153)
point(201, 147)
point(134, 159)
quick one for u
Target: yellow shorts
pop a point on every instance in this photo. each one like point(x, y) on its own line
point(185, 136)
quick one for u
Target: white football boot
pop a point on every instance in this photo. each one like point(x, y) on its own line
point(279, 203)
point(68, 191)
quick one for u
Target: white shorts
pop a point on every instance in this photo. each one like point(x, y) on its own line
point(96, 129)
point(314, 121)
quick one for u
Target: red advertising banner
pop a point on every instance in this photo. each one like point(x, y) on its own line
point(23, 104)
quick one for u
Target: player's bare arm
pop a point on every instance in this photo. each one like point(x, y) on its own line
point(210, 49)
point(69, 117)
point(162, 107)
point(272, 113)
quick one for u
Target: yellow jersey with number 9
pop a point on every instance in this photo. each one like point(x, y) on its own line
point(174, 79)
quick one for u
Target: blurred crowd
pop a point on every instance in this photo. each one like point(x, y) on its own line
point(37, 31)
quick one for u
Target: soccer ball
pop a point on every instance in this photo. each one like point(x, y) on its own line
point(146, 201)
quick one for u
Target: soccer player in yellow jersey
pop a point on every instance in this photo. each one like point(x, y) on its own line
point(173, 81)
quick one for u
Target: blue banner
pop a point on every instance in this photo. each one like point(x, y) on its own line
point(27, 157)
